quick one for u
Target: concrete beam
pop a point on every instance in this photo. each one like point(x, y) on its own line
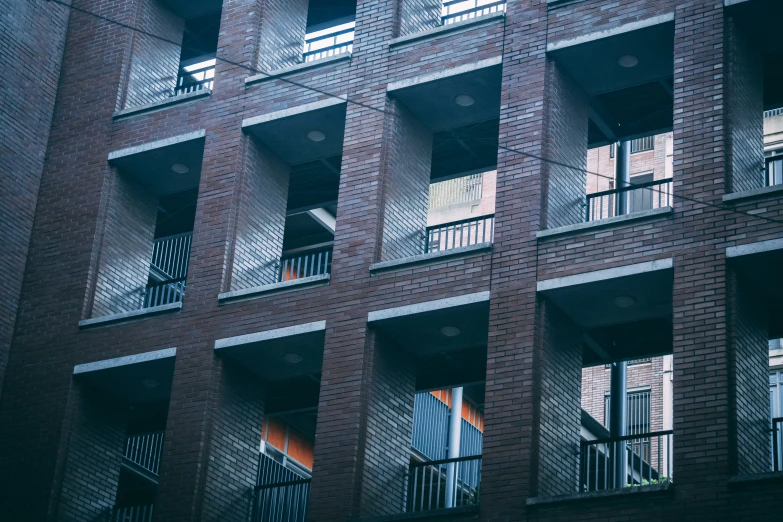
point(158, 144)
point(446, 73)
point(621, 29)
point(755, 248)
point(603, 275)
point(124, 361)
point(429, 306)
point(323, 218)
point(294, 111)
point(269, 335)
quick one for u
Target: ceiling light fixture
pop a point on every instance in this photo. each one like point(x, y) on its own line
point(316, 136)
point(628, 61)
point(450, 331)
point(179, 168)
point(624, 301)
point(464, 100)
point(293, 358)
point(150, 383)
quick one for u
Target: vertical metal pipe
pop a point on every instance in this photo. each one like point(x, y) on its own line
point(455, 427)
point(617, 419)
point(622, 175)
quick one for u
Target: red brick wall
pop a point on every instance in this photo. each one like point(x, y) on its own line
point(154, 62)
point(33, 41)
point(418, 15)
point(406, 190)
point(126, 249)
point(261, 215)
point(281, 34)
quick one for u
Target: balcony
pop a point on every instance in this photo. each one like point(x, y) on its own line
point(168, 270)
point(281, 494)
point(445, 483)
point(328, 42)
point(143, 451)
point(462, 233)
point(194, 77)
point(629, 200)
point(621, 462)
point(305, 262)
point(459, 10)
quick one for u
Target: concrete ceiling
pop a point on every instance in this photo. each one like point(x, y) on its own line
point(266, 358)
point(127, 382)
point(420, 333)
point(285, 132)
point(193, 8)
point(152, 167)
point(432, 102)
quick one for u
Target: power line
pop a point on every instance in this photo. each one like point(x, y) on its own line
point(367, 106)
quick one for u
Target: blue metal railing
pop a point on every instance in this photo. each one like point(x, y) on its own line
point(428, 486)
point(465, 232)
point(640, 197)
point(281, 494)
point(430, 429)
point(459, 10)
point(305, 264)
point(327, 43)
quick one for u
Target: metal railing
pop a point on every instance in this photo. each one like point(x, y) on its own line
point(430, 429)
point(171, 255)
point(429, 487)
point(131, 514)
point(640, 197)
point(773, 112)
point(647, 460)
point(305, 264)
point(459, 10)
point(281, 495)
point(144, 450)
point(457, 190)
point(777, 444)
point(774, 170)
point(461, 233)
point(164, 292)
point(329, 42)
point(192, 78)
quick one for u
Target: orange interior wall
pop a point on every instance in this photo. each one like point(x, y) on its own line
point(469, 412)
point(300, 448)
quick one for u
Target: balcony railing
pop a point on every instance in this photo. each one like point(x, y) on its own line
point(308, 263)
point(430, 429)
point(461, 233)
point(774, 170)
point(192, 78)
point(144, 450)
point(281, 495)
point(647, 460)
point(455, 191)
point(459, 10)
point(639, 197)
point(131, 514)
point(328, 42)
point(164, 292)
point(777, 444)
point(168, 270)
point(445, 483)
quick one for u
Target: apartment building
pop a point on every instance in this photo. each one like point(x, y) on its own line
point(338, 260)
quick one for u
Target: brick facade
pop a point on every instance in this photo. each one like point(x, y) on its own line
point(366, 391)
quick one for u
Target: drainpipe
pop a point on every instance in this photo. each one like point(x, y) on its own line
point(617, 420)
point(622, 175)
point(455, 429)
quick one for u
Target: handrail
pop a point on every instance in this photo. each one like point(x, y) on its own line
point(609, 440)
point(259, 487)
point(455, 234)
point(444, 461)
point(626, 188)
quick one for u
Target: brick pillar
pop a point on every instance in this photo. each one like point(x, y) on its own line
point(282, 31)
point(348, 352)
point(93, 456)
point(154, 62)
point(126, 251)
point(235, 436)
point(750, 377)
point(700, 347)
point(418, 15)
point(33, 51)
point(560, 403)
point(567, 145)
point(744, 101)
point(511, 366)
point(261, 217)
point(389, 429)
point(406, 191)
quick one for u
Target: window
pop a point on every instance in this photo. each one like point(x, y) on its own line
point(611, 151)
point(774, 167)
point(642, 144)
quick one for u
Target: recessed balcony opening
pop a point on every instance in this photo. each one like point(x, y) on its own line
point(443, 352)
point(286, 227)
point(620, 330)
point(114, 458)
point(756, 329)
point(440, 193)
point(145, 254)
point(330, 29)
point(175, 53)
point(416, 16)
point(611, 133)
point(285, 365)
point(755, 97)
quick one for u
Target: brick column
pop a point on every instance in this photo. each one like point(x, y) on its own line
point(510, 415)
point(418, 15)
point(700, 358)
point(282, 30)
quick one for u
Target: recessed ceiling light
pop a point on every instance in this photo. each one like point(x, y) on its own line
point(179, 168)
point(293, 358)
point(463, 100)
point(624, 301)
point(628, 61)
point(450, 331)
point(150, 383)
point(315, 135)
